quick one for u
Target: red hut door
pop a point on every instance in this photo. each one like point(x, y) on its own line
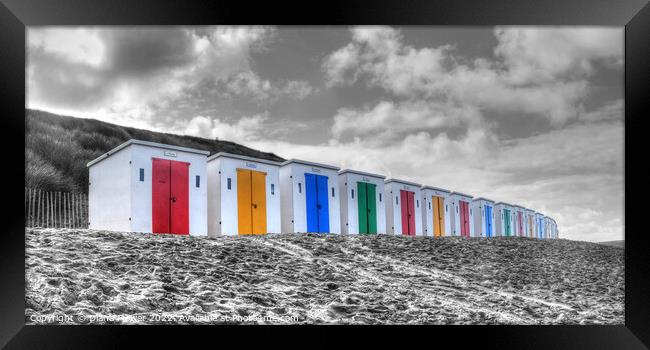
point(464, 218)
point(169, 196)
point(411, 208)
point(407, 199)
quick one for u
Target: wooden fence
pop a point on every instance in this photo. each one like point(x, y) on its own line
point(55, 209)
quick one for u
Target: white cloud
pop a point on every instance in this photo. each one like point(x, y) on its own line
point(611, 111)
point(245, 129)
point(557, 101)
point(298, 89)
point(248, 84)
point(379, 54)
point(387, 120)
point(340, 65)
point(538, 54)
point(135, 75)
point(234, 38)
point(529, 75)
point(87, 47)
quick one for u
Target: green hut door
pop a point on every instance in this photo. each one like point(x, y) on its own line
point(372, 207)
point(506, 218)
point(366, 193)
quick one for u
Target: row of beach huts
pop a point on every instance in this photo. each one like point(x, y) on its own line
point(142, 186)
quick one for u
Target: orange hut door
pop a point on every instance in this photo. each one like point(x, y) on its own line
point(438, 216)
point(244, 202)
point(251, 202)
point(258, 195)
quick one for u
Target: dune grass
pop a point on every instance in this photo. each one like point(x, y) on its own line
point(57, 148)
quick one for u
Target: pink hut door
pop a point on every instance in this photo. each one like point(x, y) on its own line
point(411, 208)
point(408, 212)
point(464, 218)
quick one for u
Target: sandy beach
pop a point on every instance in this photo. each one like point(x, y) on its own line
point(97, 277)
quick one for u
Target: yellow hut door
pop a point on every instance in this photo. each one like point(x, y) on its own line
point(244, 202)
point(438, 216)
point(259, 202)
point(251, 202)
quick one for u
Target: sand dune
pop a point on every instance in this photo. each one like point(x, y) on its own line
point(306, 278)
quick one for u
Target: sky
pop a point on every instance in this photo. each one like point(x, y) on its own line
point(524, 115)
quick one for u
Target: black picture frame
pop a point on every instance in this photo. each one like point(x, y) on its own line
point(15, 15)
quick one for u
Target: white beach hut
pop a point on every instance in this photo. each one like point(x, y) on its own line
point(547, 227)
point(243, 195)
point(539, 225)
point(363, 203)
point(513, 227)
point(436, 211)
point(309, 197)
point(142, 186)
point(503, 221)
point(535, 225)
point(403, 212)
point(519, 221)
point(529, 216)
point(483, 210)
point(462, 215)
point(551, 232)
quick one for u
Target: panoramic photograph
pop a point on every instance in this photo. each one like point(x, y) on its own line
point(437, 175)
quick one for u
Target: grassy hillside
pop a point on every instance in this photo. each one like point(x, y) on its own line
point(57, 148)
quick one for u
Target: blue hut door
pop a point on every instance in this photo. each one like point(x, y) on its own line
point(323, 204)
point(488, 221)
point(311, 203)
point(317, 204)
